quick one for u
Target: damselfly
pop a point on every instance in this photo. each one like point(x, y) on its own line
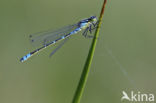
point(48, 38)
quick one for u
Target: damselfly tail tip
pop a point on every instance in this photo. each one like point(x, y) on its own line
point(24, 58)
point(21, 60)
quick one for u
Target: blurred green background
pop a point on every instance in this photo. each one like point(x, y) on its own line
point(125, 57)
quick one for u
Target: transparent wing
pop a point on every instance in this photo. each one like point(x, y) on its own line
point(45, 37)
point(58, 47)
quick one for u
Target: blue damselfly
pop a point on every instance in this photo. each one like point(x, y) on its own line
point(47, 38)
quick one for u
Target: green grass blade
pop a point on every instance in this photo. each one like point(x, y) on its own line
point(86, 69)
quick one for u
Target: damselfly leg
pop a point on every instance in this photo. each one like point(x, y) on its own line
point(90, 29)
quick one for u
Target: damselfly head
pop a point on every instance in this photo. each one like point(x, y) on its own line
point(93, 19)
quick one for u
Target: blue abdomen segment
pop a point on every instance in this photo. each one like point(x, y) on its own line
point(24, 58)
point(75, 31)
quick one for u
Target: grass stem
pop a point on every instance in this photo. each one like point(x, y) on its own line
point(86, 69)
